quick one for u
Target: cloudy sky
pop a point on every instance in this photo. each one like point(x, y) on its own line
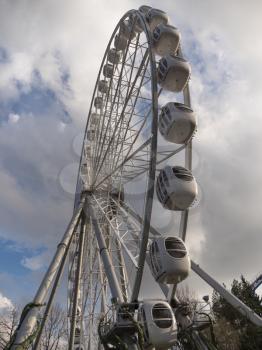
point(50, 53)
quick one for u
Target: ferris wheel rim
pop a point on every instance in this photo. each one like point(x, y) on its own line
point(153, 139)
point(153, 158)
point(128, 13)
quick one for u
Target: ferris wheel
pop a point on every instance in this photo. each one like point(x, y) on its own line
point(136, 164)
point(143, 78)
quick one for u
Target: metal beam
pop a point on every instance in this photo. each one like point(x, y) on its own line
point(52, 295)
point(28, 323)
point(188, 159)
point(77, 282)
point(107, 262)
point(228, 296)
point(122, 114)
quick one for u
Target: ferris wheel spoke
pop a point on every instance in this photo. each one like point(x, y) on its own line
point(111, 105)
point(134, 137)
point(116, 91)
point(125, 161)
point(139, 169)
point(130, 146)
point(132, 66)
point(121, 115)
point(164, 155)
point(124, 110)
point(129, 67)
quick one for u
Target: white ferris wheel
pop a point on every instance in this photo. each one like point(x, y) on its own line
point(136, 159)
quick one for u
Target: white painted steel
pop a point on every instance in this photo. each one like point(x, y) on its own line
point(29, 322)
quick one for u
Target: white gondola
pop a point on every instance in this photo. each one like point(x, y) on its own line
point(177, 122)
point(155, 17)
point(176, 188)
point(120, 42)
point(94, 120)
point(102, 86)
point(98, 102)
point(90, 134)
point(84, 170)
point(158, 323)
point(136, 23)
point(144, 9)
point(108, 70)
point(114, 56)
point(169, 260)
point(173, 73)
point(126, 30)
point(166, 39)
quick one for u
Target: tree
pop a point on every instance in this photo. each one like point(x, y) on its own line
point(55, 331)
point(198, 318)
point(227, 337)
point(246, 334)
point(9, 318)
point(54, 336)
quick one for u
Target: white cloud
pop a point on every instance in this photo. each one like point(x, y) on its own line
point(61, 126)
point(5, 302)
point(62, 38)
point(34, 263)
point(31, 158)
point(13, 118)
point(68, 40)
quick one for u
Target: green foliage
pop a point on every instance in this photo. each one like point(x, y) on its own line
point(249, 336)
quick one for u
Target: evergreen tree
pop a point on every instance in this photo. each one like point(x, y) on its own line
point(250, 336)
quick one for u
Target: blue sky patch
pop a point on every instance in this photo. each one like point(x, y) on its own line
point(40, 101)
point(12, 255)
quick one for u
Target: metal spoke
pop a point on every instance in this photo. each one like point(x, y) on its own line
point(122, 112)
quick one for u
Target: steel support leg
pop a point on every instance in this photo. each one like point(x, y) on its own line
point(105, 257)
point(77, 283)
point(52, 295)
point(28, 324)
